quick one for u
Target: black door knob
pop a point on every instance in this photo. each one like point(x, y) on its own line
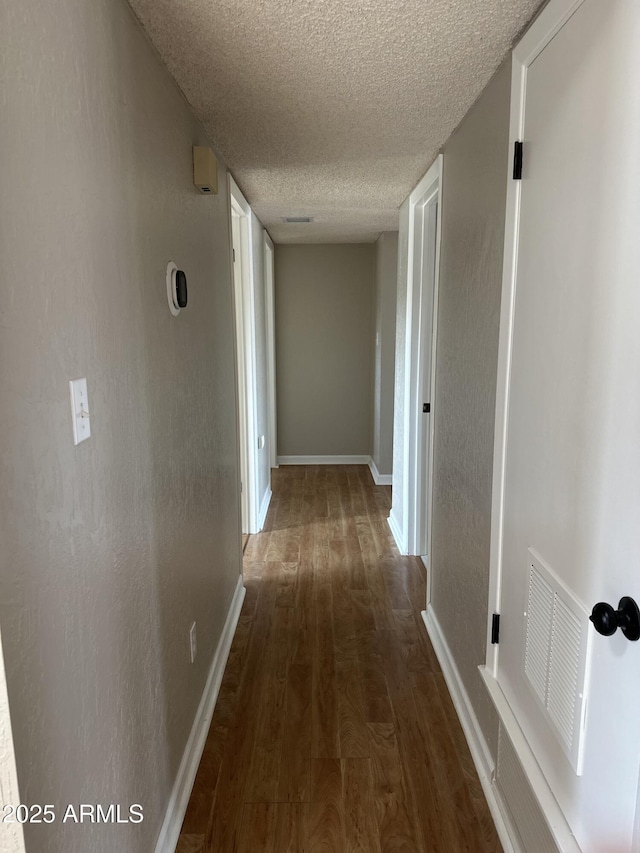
point(606, 620)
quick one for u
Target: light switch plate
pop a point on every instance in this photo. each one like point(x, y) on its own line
point(80, 410)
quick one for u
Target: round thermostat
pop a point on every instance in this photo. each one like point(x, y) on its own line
point(176, 288)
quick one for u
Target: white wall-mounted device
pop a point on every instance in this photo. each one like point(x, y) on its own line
point(205, 170)
point(176, 288)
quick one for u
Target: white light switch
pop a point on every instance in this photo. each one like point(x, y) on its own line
point(80, 410)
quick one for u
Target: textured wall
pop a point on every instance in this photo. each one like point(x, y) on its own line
point(110, 549)
point(385, 352)
point(473, 211)
point(324, 349)
point(398, 509)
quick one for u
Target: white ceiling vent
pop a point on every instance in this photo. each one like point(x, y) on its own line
point(297, 219)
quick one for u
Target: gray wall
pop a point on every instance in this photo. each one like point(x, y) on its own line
point(473, 211)
point(110, 550)
point(324, 348)
point(385, 346)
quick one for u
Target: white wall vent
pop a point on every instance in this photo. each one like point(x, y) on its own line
point(555, 660)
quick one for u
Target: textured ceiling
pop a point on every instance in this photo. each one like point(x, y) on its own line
point(331, 108)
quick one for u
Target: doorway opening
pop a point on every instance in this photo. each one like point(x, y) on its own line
point(410, 518)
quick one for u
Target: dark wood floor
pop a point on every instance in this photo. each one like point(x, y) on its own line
point(334, 730)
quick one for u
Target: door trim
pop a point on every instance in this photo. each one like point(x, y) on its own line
point(540, 33)
point(415, 517)
point(241, 208)
point(270, 305)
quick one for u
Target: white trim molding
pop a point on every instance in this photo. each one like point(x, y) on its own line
point(378, 478)
point(270, 319)
point(241, 208)
point(555, 819)
point(179, 799)
point(396, 531)
point(478, 747)
point(414, 504)
point(264, 509)
point(323, 460)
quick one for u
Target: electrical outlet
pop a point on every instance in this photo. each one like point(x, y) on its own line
point(193, 643)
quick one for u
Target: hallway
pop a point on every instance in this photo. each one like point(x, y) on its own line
point(334, 729)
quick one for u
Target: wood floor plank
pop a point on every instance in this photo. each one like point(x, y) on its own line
point(271, 828)
point(188, 843)
point(262, 781)
point(198, 814)
point(294, 783)
point(222, 832)
point(287, 585)
point(429, 800)
point(377, 704)
point(325, 738)
point(360, 829)
point(324, 815)
point(334, 730)
point(353, 732)
point(396, 830)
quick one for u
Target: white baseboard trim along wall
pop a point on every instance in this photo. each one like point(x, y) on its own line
point(181, 792)
point(378, 478)
point(475, 739)
point(397, 533)
point(264, 509)
point(323, 460)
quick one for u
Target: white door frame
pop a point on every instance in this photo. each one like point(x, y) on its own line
point(541, 32)
point(422, 303)
point(271, 348)
point(247, 370)
point(551, 20)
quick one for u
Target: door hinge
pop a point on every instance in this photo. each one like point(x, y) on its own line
point(495, 629)
point(517, 161)
point(234, 255)
point(426, 408)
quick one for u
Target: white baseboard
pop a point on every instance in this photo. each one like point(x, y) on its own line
point(397, 532)
point(323, 460)
point(547, 804)
point(478, 747)
point(378, 478)
point(264, 509)
point(181, 792)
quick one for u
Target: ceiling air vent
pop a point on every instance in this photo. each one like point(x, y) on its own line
point(297, 219)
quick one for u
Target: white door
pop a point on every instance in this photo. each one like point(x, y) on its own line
point(241, 360)
point(426, 239)
point(271, 348)
point(571, 476)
